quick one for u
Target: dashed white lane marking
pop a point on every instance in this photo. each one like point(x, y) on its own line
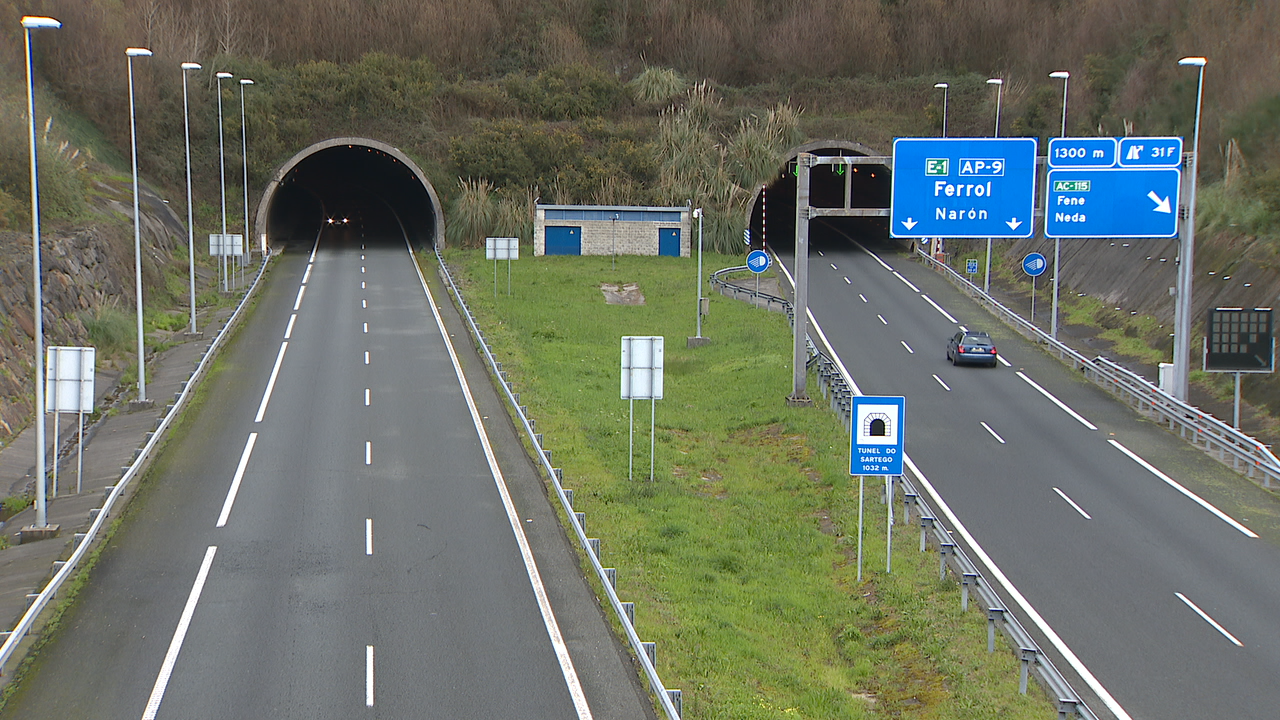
point(364, 303)
point(1073, 504)
point(993, 433)
point(1176, 486)
point(271, 383)
point(362, 254)
point(362, 285)
point(1003, 361)
point(964, 329)
point(179, 635)
point(361, 268)
point(908, 282)
point(307, 275)
point(368, 452)
point(908, 347)
point(567, 670)
point(833, 266)
point(298, 302)
point(1056, 401)
point(944, 385)
point(847, 281)
point(820, 254)
point(366, 327)
point(368, 676)
point(368, 536)
point(235, 481)
point(938, 307)
point(862, 297)
point(288, 332)
point(366, 397)
point(1205, 616)
point(366, 357)
point(882, 320)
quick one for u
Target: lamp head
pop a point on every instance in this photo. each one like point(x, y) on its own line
point(137, 52)
point(1196, 61)
point(190, 66)
point(1061, 74)
point(223, 75)
point(944, 86)
point(246, 81)
point(33, 22)
point(995, 81)
point(697, 212)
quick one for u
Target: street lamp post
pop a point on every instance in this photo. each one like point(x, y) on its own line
point(191, 230)
point(943, 87)
point(1186, 256)
point(244, 158)
point(222, 181)
point(697, 212)
point(999, 83)
point(1065, 77)
point(29, 23)
point(132, 53)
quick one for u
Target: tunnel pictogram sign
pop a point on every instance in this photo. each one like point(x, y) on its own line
point(878, 435)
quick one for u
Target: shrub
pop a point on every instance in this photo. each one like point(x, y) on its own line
point(656, 85)
point(567, 92)
point(111, 330)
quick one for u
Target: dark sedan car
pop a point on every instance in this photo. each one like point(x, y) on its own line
point(971, 348)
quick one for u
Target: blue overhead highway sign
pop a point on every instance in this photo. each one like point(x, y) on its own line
point(1151, 152)
point(1129, 193)
point(963, 187)
point(1082, 152)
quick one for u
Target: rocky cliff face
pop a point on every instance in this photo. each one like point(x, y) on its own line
point(84, 268)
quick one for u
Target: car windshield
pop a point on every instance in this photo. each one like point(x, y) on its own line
point(971, 340)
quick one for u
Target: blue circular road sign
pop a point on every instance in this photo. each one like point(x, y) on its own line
point(758, 261)
point(1034, 264)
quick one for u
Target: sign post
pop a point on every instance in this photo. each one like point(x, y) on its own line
point(69, 388)
point(641, 380)
point(876, 448)
point(501, 248)
point(758, 261)
point(1034, 265)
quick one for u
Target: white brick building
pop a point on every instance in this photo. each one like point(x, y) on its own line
point(609, 229)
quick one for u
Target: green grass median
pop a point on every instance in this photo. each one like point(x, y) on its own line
point(741, 553)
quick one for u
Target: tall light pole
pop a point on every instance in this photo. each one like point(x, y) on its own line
point(1065, 77)
point(132, 53)
point(29, 23)
point(222, 179)
point(244, 158)
point(191, 230)
point(1186, 257)
point(697, 212)
point(999, 83)
point(943, 87)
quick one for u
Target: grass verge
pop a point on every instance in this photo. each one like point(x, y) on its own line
point(741, 553)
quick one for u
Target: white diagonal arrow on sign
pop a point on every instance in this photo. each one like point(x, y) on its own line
point(909, 223)
point(1162, 204)
point(1013, 224)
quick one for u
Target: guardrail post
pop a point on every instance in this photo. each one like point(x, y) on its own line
point(926, 523)
point(1067, 708)
point(568, 494)
point(994, 615)
point(651, 650)
point(967, 580)
point(594, 544)
point(908, 499)
point(944, 549)
point(629, 609)
point(1028, 657)
point(581, 517)
point(677, 699)
point(611, 574)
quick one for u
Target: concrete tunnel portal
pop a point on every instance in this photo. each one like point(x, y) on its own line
point(349, 178)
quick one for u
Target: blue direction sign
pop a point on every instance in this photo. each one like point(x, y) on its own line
point(1082, 152)
point(1113, 203)
point(758, 261)
point(963, 187)
point(1151, 152)
point(879, 430)
point(1034, 264)
point(971, 266)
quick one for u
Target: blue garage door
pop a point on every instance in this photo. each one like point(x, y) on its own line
point(669, 241)
point(564, 241)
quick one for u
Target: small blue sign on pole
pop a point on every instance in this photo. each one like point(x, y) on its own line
point(879, 432)
point(758, 261)
point(963, 187)
point(1034, 264)
point(971, 266)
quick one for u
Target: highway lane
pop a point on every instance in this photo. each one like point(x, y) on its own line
point(1022, 474)
point(337, 539)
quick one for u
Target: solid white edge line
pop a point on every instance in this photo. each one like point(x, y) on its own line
point(368, 452)
point(993, 432)
point(368, 676)
point(314, 247)
point(307, 275)
point(235, 481)
point(908, 282)
point(862, 247)
point(288, 332)
point(1038, 620)
point(908, 347)
point(531, 567)
point(938, 307)
point(1056, 401)
point(944, 385)
point(1073, 504)
point(302, 290)
point(368, 536)
point(1205, 616)
point(180, 634)
point(1177, 486)
point(271, 383)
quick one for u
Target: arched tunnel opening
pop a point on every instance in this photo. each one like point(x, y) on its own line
point(346, 188)
point(773, 217)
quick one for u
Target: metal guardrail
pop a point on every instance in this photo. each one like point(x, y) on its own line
point(83, 541)
point(836, 389)
point(669, 699)
point(1242, 452)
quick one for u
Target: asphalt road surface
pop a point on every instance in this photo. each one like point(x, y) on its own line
point(332, 536)
point(1155, 600)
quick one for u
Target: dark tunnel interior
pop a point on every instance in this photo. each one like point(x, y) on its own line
point(339, 189)
point(773, 218)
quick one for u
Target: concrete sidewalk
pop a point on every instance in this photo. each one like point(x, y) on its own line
point(111, 444)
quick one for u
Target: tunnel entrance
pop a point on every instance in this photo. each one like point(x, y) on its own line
point(341, 180)
point(773, 215)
